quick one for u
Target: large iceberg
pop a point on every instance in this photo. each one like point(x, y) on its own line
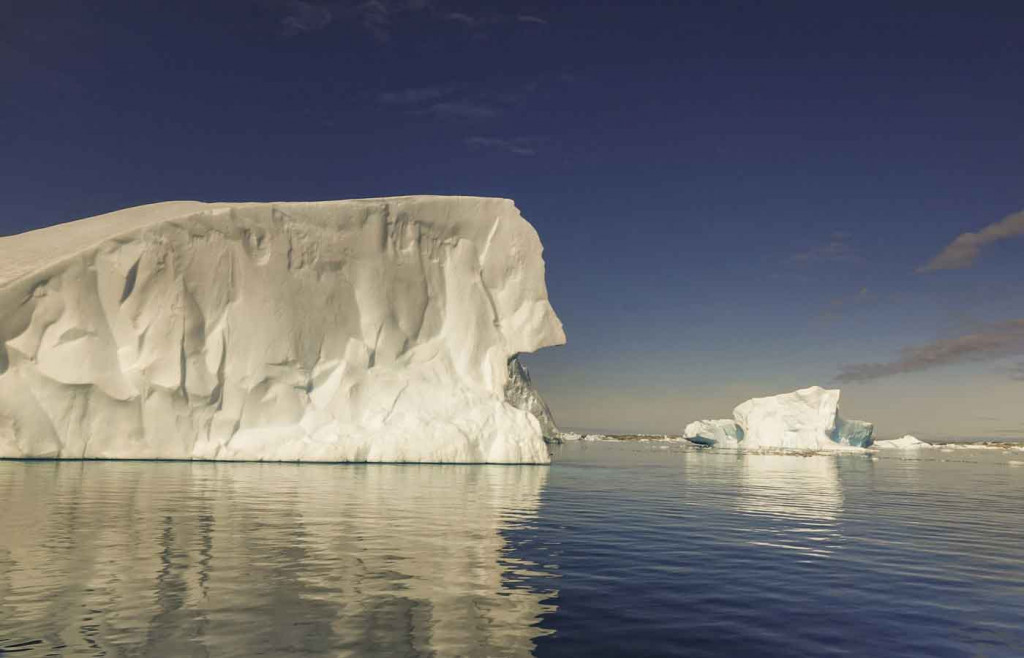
point(807, 419)
point(366, 330)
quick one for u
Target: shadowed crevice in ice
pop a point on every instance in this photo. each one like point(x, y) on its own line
point(521, 394)
point(129, 282)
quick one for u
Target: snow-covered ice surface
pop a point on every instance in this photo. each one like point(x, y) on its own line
point(365, 330)
point(906, 442)
point(807, 419)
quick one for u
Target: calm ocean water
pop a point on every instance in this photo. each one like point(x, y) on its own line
point(615, 549)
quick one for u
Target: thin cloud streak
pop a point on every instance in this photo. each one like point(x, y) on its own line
point(414, 95)
point(837, 250)
point(839, 305)
point(304, 17)
point(517, 146)
point(993, 342)
point(459, 17)
point(964, 251)
point(375, 16)
point(454, 101)
point(380, 17)
point(462, 110)
point(441, 101)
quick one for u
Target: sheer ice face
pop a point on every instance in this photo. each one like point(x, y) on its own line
point(365, 330)
point(807, 419)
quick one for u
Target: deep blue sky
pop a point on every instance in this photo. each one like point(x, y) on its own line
point(734, 197)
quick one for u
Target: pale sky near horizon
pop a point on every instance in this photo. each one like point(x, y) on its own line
point(735, 199)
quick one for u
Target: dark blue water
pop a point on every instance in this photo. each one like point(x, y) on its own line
point(699, 554)
point(616, 549)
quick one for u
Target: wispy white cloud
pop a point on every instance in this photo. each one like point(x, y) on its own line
point(448, 101)
point(524, 146)
point(837, 250)
point(462, 109)
point(526, 18)
point(376, 16)
point(452, 101)
point(987, 343)
point(962, 252)
point(459, 17)
point(414, 95)
point(379, 17)
point(840, 305)
point(301, 16)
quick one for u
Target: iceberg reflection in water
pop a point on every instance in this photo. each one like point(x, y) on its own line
point(244, 559)
point(800, 494)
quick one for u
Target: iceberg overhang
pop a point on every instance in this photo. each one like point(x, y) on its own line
point(522, 394)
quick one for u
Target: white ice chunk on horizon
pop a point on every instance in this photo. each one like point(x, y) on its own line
point(583, 436)
point(366, 330)
point(906, 442)
point(807, 419)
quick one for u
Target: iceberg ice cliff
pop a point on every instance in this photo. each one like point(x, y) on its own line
point(366, 330)
point(807, 419)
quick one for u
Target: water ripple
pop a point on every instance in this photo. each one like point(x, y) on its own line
point(616, 549)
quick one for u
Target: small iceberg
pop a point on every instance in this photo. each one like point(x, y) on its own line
point(906, 442)
point(807, 419)
point(721, 433)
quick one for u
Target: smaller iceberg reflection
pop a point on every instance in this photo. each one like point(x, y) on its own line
point(801, 495)
point(246, 559)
